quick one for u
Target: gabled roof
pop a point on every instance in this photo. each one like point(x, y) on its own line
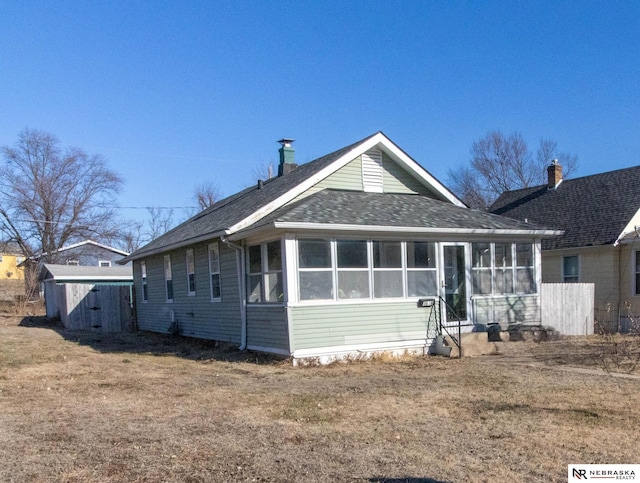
point(593, 210)
point(249, 206)
point(94, 243)
point(408, 213)
point(79, 273)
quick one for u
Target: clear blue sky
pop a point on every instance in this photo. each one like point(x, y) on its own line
point(174, 93)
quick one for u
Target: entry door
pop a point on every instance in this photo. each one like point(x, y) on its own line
point(454, 282)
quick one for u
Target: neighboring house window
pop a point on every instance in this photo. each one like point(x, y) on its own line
point(75, 263)
point(315, 270)
point(145, 290)
point(353, 269)
point(525, 281)
point(19, 260)
point(168, 278)
point(571, 269)
point(0, 258)
point(104, 263)
point(265, 273)
point(422, 275)
point(503, 276)
point(191, 272)
point(481, 268)
point(214, 271)
point(387, 269)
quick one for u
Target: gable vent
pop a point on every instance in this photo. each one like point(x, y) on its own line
point(372, 171)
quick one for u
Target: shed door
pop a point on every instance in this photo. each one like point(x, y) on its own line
point(454, 282)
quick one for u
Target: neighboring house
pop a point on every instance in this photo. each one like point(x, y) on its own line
point(85, 297)
point(331, 257)
point(600, 215)
point(88, 253)
point(10, 258)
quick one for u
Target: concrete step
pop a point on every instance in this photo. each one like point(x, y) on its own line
point(473, 344)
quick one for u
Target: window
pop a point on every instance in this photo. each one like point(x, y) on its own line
point(503, 276)
point(168, 278)
point(191, 272)
point(145, 290)
point(387, 269)
point(353, 269)
point(571, 269)
point(74, 263)
point(315, 270)
point(637, 272)
point(525, 282)
point(265, 273)
point(422, 277)
point(214, 271)
point(104, 263)
point(481, 268)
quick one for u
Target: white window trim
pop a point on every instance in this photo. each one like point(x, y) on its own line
point(143, 275)
point(190, 267)
point(167, 263)
point(108, 263)
point(214, 247)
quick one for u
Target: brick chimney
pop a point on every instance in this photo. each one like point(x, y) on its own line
point(287, 157)
point(554, 172)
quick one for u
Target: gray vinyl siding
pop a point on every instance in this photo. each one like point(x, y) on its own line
point(196, 315)
point(347, 325)
point(267, 327)
point(507, 310)
point(398, 180)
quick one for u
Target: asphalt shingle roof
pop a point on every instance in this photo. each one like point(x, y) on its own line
point(233, 209)
point(386, 209)
point(592, 210)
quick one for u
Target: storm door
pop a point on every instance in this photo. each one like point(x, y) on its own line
point(454, 282)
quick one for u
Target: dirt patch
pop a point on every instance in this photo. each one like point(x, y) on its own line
point(142, 407)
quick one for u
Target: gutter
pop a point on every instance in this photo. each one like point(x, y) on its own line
point(241, 290)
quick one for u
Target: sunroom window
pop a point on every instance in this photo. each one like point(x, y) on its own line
point(422, 276)
point(265, 273)
point(387, 269)
point(315, 270)
point(353, 269)
point(481, 269)
point(503, 278)
point(525, 281)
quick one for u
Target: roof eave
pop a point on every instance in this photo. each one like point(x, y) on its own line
point(172, 246)
point(415, 230)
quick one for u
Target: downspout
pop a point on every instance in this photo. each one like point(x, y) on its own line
point(241, 291)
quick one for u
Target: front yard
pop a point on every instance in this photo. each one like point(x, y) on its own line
point(76, 406)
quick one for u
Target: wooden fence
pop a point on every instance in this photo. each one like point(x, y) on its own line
point(98, 307)
point(568, 307)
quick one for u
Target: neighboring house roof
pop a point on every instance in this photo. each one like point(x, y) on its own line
point(356, 210)
point(94, 243)
point(257, 206)
point(594, 210)
point(10, 248)
point(79, 273)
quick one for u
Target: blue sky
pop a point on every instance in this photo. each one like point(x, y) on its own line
point(176, 93)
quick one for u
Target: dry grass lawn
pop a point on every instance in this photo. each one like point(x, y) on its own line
point(76, 406)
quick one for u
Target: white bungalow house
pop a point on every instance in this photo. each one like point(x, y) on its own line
point(332, 257)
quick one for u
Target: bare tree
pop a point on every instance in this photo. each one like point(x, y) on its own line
point(138, 233)
point(49, 197)
point(501, 163)
point(206, 194)
point(262, 172)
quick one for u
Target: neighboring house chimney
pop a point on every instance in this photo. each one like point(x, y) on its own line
point(287, 158)
point(554, 172)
